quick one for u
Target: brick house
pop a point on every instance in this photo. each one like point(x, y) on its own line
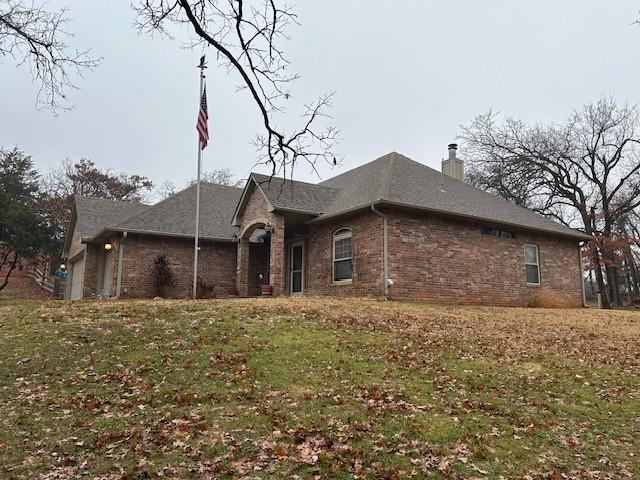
point(392, 227)
point(111, 246)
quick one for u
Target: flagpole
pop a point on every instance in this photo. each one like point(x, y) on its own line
point(197, 233)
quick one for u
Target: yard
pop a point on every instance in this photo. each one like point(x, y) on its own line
point(316, 389)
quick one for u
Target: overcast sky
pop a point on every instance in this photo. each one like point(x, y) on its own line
point(406, 74)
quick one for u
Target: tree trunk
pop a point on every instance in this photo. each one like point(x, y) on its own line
point(602, 288)
point(614, 285)
point(635, 275)
point(12, 265)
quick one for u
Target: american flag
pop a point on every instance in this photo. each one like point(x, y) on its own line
point(203, 117)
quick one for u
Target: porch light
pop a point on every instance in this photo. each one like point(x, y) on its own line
point(234, 239)
point(108, 246)
point(268, 228)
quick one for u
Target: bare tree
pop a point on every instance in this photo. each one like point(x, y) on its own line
point(166, 189)
point(32, 35)
point(584, 172)
point(246, 37)
point(222, 176)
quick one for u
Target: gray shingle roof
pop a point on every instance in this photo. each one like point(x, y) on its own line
point(392, 179)
point(294, 195)
point(398, 180)
point(93, 214)
point(175, 215)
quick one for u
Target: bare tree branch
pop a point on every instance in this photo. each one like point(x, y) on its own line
point(584, 172)
point(246, 36)
point(31, 35)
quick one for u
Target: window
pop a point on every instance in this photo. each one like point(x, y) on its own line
point(496, 232)
point(532, 264)
point(342, 261)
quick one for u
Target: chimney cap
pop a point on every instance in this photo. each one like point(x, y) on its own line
point(453, 146)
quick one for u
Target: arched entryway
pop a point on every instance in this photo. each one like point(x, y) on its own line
point(253, 251)
point(260, 258)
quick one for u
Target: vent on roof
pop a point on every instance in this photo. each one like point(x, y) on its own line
point(453, 166)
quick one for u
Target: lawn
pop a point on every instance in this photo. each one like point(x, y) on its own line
point(316, 389)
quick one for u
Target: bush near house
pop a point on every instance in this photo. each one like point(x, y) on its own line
point(316, 389)
point(163, 277)
point(545, 298)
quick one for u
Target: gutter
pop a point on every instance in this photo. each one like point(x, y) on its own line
point(120, 258)
point(575, 234)
point(385, 250)
point(581, 275)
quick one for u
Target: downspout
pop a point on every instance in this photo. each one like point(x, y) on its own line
point(581, 275)
point(385, 250)
point(120, 257)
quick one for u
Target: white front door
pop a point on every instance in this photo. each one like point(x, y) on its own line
point(297, 268)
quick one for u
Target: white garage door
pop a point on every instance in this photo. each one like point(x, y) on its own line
point(77, 274)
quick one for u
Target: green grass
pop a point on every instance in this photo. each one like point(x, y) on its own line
point(335, 389)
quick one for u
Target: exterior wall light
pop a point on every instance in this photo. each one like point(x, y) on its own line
point(234, 239)
point(268, 228)
point(108, 246)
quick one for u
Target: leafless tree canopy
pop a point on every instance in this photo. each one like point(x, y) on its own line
point(222, 176)
point(34, 36)
point(584, 172)
point(247, 37)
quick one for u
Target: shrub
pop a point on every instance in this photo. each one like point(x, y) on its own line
point(204, 289)
point(545, 298)
point(162, 275)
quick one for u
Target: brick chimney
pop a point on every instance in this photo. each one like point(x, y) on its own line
point(453, 166)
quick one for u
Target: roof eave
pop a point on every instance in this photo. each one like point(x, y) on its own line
point(68, 237)
point(296, 210)
point(159, 234)
point(577, 235)
point(381, 202)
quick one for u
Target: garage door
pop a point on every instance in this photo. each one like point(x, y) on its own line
point(77, 274)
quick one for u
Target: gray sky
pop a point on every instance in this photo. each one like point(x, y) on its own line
point(406, 75)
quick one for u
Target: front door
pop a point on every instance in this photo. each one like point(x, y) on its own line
point(104, 288)
point(77, 272)
point(297, 268)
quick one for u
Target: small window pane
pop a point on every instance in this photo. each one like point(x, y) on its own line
point(533, 275)
point(343, 248)
point(297, 282)
point(342, 270)
point(297, 258)
point(530, 254)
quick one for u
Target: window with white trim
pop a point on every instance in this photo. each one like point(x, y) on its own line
point(532, 264)
point(342, 260)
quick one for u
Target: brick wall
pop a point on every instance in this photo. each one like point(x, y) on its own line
point(449, 261)
point(256, 211)
point(76, 246)
point(216, 264)
point(258, 264)
point(367, 257)
point(92, 260)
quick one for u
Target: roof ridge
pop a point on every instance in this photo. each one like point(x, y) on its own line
point(291, 180)
point(386, 183)
point(102, 199)
point(359, 167)
point(210, 184)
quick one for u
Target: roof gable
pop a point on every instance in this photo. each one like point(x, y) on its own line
point(94, 214)
point(287, 195)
